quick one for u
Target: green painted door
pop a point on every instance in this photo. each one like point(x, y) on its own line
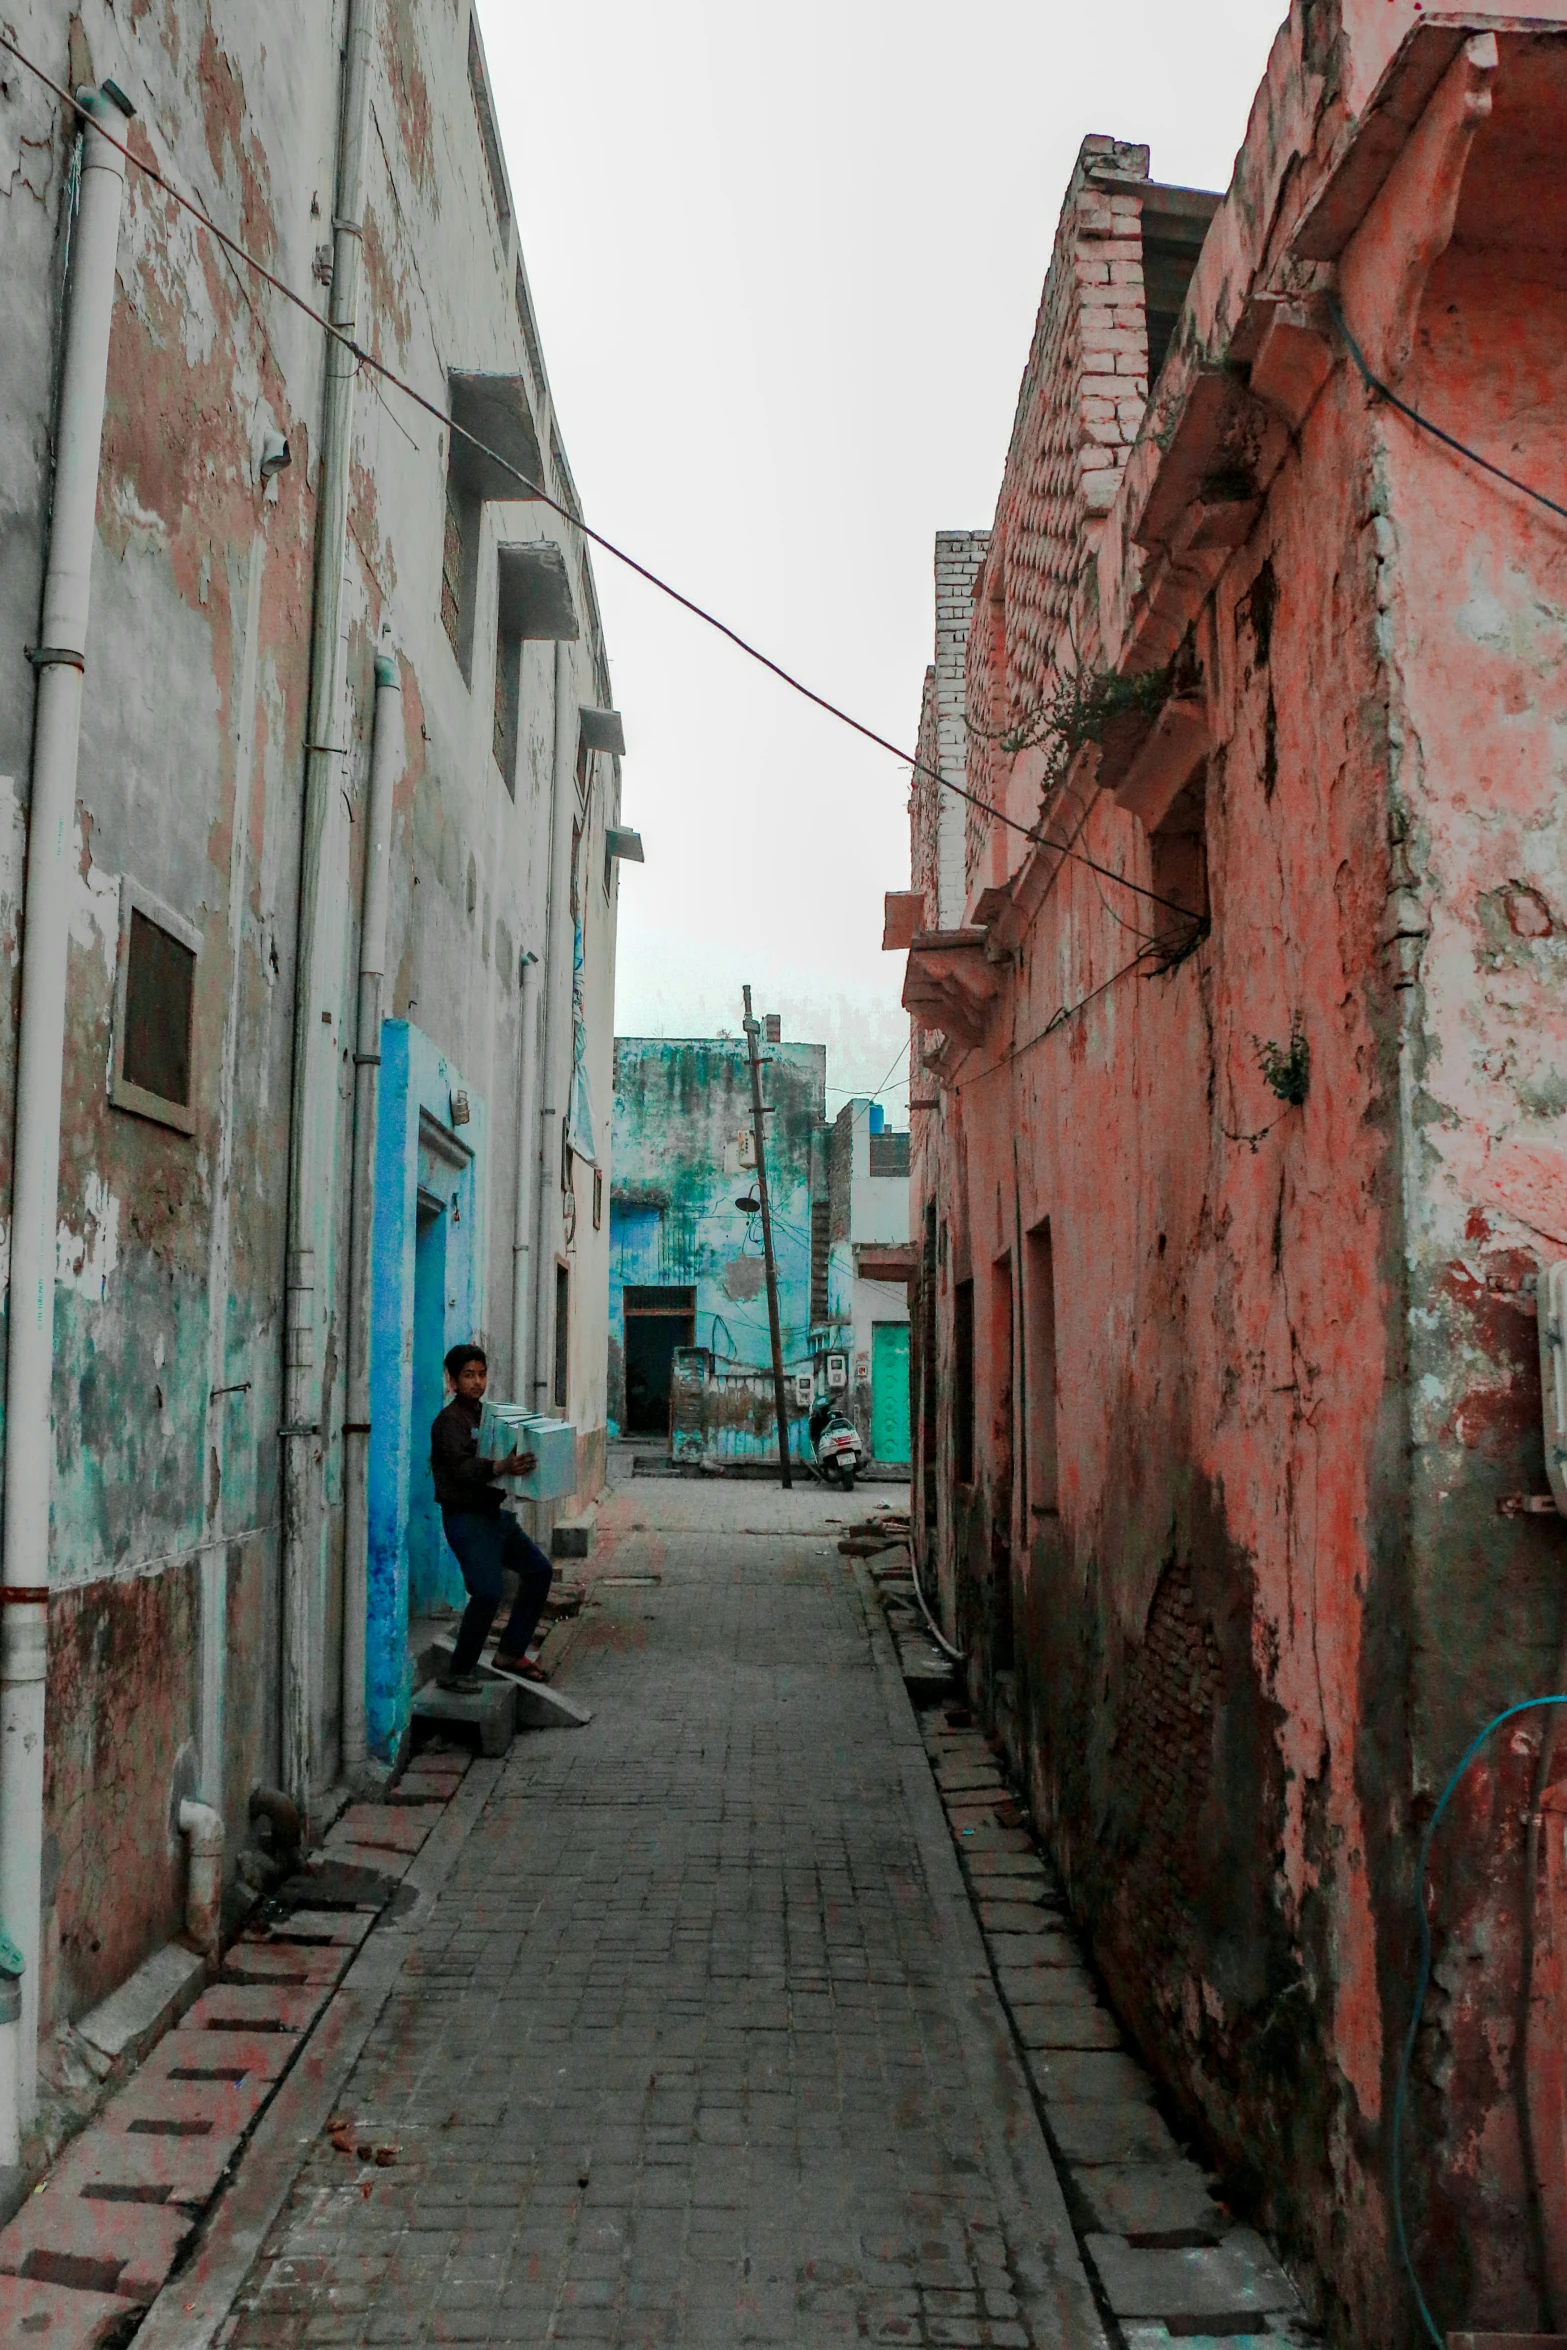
point(890, 1391)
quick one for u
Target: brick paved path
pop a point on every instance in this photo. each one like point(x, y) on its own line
point(699, 2047)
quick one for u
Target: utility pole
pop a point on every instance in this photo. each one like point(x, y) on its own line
point(753, 1029)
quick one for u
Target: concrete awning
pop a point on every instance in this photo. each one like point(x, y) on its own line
point(495, 409)
point(535, 592)
point(950, 983)
point(602, 731)
point(886, 1261)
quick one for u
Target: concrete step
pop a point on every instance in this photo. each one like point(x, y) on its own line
point(489, 1715)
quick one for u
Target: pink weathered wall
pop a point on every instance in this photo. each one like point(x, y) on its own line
point(1296, 1346)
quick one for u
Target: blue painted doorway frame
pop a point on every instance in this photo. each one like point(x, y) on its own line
point(428, 1261)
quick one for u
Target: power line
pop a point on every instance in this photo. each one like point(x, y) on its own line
point(364, 358)
point(1374, 383)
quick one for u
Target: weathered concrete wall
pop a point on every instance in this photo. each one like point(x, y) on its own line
point(168, 1388)
point(680, 1108)
point(1230, 1552)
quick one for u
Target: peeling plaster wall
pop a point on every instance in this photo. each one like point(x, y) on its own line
point(171, 1247)
point(1295, 1348)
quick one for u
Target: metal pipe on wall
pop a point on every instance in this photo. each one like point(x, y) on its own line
point(386, 766)
point(522, 1215)
point(60, 660)
point(554, 1079)
point(318, 969)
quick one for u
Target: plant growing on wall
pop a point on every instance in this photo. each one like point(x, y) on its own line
point(1286, 1069)
point(1083, 706)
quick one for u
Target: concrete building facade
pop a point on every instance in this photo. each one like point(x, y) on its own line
point(340, 908)
point(1240, 1157)
point(872, 1259)
point(686, 1264)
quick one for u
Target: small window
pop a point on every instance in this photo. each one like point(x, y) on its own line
point(598, 1198)
point(155, 1004)
point(562, 1333)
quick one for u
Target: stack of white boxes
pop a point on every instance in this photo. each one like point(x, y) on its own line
point(511, 1427)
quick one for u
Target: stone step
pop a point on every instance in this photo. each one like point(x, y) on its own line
point(90, 2246)
point(489, 1714)
point(52, 2317)
point(1238, 2277)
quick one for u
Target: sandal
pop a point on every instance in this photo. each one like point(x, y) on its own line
point(517, 1668)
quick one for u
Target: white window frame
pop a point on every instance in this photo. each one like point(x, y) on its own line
point(134, 899)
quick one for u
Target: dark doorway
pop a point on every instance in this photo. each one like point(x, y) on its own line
point(657, 1321)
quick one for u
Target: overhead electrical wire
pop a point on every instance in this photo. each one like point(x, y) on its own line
point(536, 490)
point(1374, 383)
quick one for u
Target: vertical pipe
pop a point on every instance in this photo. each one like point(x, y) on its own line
point(522, 1218)
point(780, 1405)
point(318, 966)
point(553, 1077)
point(35, 1183)
point(386, 766)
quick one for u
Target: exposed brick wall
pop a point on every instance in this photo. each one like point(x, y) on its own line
point(1079, 410)
point(959, 554)
point(1164, 1750)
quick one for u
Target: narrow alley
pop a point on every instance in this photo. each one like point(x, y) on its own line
point(699, 2042)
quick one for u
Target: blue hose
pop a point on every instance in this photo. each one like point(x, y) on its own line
point(1423, 1984)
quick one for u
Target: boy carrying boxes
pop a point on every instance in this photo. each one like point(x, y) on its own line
point(485, 1539)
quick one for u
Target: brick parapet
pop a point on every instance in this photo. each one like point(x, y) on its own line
point(1080, 408)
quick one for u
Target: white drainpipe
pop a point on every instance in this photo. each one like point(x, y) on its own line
point(554, 1069)
point(318, 972)
point(202, 1827)
point(35, 1181)
point(522, 1216)
point(386, 766)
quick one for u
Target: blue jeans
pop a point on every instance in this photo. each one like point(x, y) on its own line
point(486, 1545)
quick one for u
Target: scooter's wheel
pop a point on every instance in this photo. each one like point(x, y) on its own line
point(846, 1479)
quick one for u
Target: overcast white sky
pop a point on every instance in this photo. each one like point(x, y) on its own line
point(786, 265)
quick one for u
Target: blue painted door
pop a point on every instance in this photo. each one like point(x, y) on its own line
point(429, 1567)
point(890, 1391)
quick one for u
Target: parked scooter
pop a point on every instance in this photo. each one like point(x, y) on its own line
point(835, 1441)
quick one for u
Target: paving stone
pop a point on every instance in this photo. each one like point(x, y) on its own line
point(53, 2317)
point(1013, 1917)
point(1088, 2076)
point(253, 2007)
point(177, 2170)
point(1270, 2333)
point(1150, 2199)
point(1237, 2278)
point(1077, 2023)
point(122, 2248)
point(1026, 1867)
point(397, 1827)
point(263, 2056)
point(425, 1785)
point(1022, 1955)
point(288, 1963)
point(381, 1857)
point(168, 2108)
point(1106, 2130)
point(346, 1926)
